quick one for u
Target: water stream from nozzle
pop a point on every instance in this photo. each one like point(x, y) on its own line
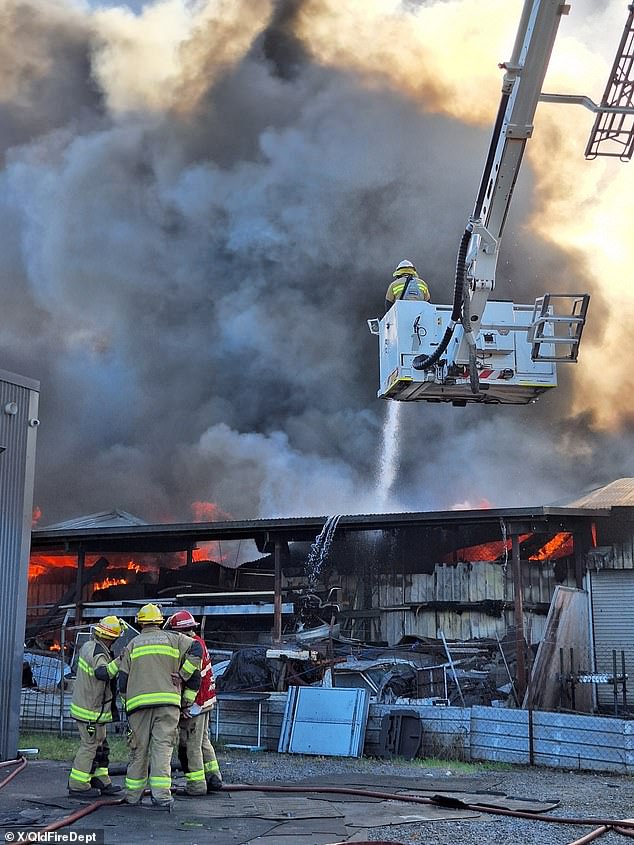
point(389, 460)
point(319, 549)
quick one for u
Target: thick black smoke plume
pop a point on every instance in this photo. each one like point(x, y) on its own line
point(188, 268)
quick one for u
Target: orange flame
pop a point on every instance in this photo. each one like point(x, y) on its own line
point(484, 552)
point(135, 566)
point(208, 512)
point(43, 564)
point(208, 551)
point(108, 582)
point(561, 545)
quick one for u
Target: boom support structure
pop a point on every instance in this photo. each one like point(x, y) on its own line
point(521, 89)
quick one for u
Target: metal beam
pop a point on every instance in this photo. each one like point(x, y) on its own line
point(195, 610)
point(586, 102)
point(277, 600)
point(519, 618)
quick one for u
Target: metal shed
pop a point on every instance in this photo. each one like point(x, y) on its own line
point(19, 399)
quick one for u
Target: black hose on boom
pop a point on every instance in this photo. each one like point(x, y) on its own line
point(485, 187)
point(424, 362)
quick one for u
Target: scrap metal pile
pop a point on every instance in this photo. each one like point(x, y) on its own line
point(421, 669)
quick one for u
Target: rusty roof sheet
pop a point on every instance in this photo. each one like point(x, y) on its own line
point(619, 493)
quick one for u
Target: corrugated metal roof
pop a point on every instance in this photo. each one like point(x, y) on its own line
point(180, 536)
point(619, 493)
point(105, 519)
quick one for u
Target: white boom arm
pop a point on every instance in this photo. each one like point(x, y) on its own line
point(521, 89)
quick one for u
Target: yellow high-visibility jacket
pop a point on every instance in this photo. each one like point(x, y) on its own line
point(92, 692)
point(149, 665)
point(407, 287)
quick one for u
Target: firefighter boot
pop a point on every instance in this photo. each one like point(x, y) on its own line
point(84, 794)
point(105, 788)
point(163, 805)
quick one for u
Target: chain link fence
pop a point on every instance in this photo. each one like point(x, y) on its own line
point(48, 676)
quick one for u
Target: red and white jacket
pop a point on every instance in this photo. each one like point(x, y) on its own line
point(206, 697)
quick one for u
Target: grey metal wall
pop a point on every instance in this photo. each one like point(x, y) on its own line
point(19, 399)
point(613, 625)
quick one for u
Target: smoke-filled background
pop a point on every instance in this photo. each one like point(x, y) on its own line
point(201, 203)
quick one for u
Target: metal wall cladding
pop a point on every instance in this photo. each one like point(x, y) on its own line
point(495, 734)
point(18, 425)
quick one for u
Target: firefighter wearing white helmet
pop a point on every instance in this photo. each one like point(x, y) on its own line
point(93, 706)
point(195, 751)
point(406, 285)
point(159, 676)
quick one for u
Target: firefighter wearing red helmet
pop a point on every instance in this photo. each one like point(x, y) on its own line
point(195, 751)
point(92, 707)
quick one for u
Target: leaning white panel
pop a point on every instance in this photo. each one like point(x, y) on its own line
point(327, 722)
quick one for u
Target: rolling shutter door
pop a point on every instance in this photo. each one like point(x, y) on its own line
point(613, 626)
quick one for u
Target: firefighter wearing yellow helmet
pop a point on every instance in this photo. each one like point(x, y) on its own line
point(159, 677)
point(93, 706)
point(406, 285)
point(196, 753)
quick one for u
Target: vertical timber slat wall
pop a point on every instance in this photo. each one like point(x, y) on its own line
point(19, 399)
point(403, 599)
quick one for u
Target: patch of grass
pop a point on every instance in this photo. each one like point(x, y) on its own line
point(455, 766)
point(458, 765)
point(55, 747)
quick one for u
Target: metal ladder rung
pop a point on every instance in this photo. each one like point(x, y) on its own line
point(544, 316)
point(611, 128)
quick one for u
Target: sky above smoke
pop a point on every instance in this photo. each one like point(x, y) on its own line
point(201, 203)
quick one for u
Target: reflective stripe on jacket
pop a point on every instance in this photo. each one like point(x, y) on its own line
point(414, 288)
point(206, 697)
point(92, 694)
point(148, 663)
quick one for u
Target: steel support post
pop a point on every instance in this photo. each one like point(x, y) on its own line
point(519, 617)
point(277, 600)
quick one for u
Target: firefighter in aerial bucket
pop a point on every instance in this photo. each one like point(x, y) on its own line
point(92, 707)
point(406, 285)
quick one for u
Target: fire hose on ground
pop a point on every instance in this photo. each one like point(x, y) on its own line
point(20, 762)
point(622, 826)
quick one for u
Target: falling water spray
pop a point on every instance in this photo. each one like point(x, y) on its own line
point(389, 459)
point(319, 549)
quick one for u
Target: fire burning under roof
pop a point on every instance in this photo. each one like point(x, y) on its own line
point(476, 526)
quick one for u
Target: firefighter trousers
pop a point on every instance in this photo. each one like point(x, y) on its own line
point(151, 740)
point(91, 759)
point(197, 754)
